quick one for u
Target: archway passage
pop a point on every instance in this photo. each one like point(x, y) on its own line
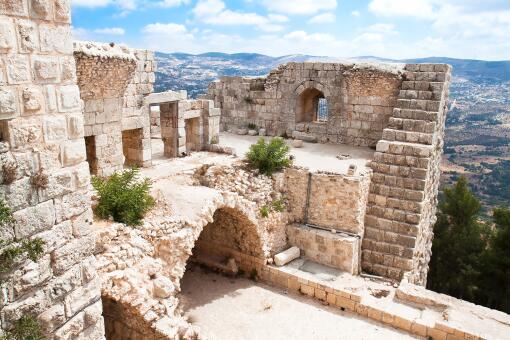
point(310, 103)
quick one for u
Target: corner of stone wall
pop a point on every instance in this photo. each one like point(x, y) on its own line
point(403, 192)
point(41, 123)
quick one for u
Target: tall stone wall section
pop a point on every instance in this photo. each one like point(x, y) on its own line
point(113, 81)
point(360, 97)
point(41, 134)
point(403, 193)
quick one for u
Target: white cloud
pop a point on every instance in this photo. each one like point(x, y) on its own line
point(167, 29)
point(355, 14)
point(323, 18)
point(214, 12)
point(110, 31)
point(173, 3)
point(91, 3)
point(309, 7)
point(306, 37)
point(408, 8)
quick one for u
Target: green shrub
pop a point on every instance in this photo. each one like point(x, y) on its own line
point(264, 211)
point(26, 328)
point(252, 126)
point(123, 197)
point(278, 205)
point(269, 157)
point(11, 252)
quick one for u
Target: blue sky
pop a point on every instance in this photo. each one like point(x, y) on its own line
point(338, 28)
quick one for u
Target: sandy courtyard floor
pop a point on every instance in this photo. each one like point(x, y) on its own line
point(241, 309)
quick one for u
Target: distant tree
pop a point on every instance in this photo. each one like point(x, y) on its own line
point(495, 281)
point(459, 243)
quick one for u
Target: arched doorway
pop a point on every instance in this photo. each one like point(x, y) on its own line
point(312, 106)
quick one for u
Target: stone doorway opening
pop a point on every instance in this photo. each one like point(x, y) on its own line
point(311, 106)
point(90, 147)
point(193, 135)
point(169, 128)
point(132, 147)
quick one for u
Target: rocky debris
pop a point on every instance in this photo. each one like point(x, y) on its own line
point(297, 143)
point(304, 137)
point(343, 157)
point(242, 131)
point(262, 132)
point(252, 132)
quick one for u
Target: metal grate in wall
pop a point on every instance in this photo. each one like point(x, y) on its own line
point(322, 110)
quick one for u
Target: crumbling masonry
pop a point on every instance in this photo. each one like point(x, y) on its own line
point(68, 110)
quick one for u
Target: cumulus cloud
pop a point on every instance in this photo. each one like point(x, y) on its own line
point(110, 31)
point(309, 7)
point(215, 12)
point(414, 8)
point(173, 3)
point(323, 18)
point(355, 14)
point(91, 3)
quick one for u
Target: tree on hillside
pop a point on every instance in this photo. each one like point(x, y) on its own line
point(495, 280)
point(459, 243)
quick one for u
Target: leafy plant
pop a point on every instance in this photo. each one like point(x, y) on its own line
point(269, 157)
point(10, 251)
point(278, 205)
point(26, 328)
point(123, 197)
point(264, 211)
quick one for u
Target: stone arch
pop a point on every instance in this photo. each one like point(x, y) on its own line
point(307, 97)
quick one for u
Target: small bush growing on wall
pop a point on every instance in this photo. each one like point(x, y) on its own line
point(26, 328)
point(10, 251)
point(123, 197)
point(269, 157)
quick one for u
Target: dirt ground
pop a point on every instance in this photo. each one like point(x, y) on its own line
point(241, 309)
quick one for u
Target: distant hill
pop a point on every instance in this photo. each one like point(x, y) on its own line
point(195, 72)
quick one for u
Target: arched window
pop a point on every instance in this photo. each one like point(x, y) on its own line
point(312, 107)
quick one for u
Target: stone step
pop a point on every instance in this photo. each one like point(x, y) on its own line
point(401, 160)
point(386, 259)
point(413, 125)
point(395, 203)
point(423, 85)
point(428, 68)
point(419, 104)
point(399, 182)
point(423, 95)
point(415, 114)
point(404, 148)
point(408, 136)
point(390, 225)
point(394, 214)
point(398, 171)
point(389, 237)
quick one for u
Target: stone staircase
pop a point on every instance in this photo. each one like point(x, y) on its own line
point(401, 204)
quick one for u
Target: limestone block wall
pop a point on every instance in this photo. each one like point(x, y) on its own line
point(184, 125)
point(403, 192)
point(41, 133)
point(336, 250)
point(360, 98)
point(328, 200)
point(113, 81)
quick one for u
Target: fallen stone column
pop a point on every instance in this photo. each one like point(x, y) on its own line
point(286, 256)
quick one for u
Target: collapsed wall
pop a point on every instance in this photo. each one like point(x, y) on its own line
point(113, 81)
point(358, 100)
point(44, 174)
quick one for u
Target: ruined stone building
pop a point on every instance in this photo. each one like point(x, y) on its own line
point(69, 110)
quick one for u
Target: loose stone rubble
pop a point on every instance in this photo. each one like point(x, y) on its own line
point(70, 110)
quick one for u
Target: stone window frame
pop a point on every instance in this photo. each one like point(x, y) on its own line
point(310, 85)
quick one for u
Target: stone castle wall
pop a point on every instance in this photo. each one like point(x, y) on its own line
point(403, 194)
point(360, 99)
point(42, 132)
point(113, 81)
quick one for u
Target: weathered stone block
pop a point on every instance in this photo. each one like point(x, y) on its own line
point(33, 220)
point(82, 297)
point(18, 70)
point(63, 10)
point(56, 39)
point(27, 36)
point(73, 152)
point(41, 9)
point(54, 128)
point(45, 69)
point(7, 36)
point(8, 103)
point(33, 100)
point(68, 98)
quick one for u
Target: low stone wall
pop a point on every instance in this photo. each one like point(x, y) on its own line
point(360, 100)
point(336, 250)
point(328, 200)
